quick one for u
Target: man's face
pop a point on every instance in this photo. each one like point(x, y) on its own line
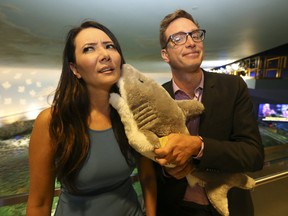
point(187, 56)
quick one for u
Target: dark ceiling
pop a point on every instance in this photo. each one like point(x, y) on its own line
point(32, 31)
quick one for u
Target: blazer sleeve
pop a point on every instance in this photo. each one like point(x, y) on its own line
point(229, 127)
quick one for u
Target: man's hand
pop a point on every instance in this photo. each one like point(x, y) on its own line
point(179, 149)
point(179, 172)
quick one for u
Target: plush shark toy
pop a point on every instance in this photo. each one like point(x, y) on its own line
point(149, 114)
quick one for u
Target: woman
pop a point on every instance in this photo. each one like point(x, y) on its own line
point(80, 140)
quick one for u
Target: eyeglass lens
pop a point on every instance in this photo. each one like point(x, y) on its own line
point(181, 37)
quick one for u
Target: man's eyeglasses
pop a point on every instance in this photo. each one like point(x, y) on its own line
point(180, 38)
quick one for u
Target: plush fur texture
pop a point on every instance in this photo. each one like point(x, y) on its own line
point(149, 114)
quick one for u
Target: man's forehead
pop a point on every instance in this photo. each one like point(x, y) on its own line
point(180, 25)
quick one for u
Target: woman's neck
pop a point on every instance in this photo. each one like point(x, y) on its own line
point(99, 118)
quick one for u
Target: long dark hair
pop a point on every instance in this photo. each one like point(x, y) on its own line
point(70, 111)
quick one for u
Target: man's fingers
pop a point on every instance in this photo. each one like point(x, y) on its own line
point(159, 152)
point(163, 150)
point(179, 172)
point(175, 172)
point(161, 161)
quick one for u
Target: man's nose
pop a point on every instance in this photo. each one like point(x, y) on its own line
point(189, 40)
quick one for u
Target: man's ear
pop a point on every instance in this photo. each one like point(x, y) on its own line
point(74, 69)
point(164, 55)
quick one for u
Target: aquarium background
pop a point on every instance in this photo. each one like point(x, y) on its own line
point(24, 92)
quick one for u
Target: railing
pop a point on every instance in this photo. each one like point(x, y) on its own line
point(271, 178)
point(19, 198)
point(22, 198)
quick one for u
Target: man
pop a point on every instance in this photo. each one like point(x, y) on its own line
point(224, 139)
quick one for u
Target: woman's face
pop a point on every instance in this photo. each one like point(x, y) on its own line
point(97, 60)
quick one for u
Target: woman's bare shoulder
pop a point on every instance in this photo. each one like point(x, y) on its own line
point(44, 116)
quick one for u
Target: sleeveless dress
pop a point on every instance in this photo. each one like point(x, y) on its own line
point(104, 182)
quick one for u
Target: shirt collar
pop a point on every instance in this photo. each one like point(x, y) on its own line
point(199, 87)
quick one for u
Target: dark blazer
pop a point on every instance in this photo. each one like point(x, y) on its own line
point(232, 142)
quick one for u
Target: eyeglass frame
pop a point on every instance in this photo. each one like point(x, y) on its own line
point(187, 33)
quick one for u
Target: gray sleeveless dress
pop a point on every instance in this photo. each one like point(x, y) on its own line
point(104, 181)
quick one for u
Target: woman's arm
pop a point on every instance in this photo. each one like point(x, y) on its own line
point(41, 165)
point(149, 185)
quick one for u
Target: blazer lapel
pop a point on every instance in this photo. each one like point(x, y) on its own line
point(207, 100)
